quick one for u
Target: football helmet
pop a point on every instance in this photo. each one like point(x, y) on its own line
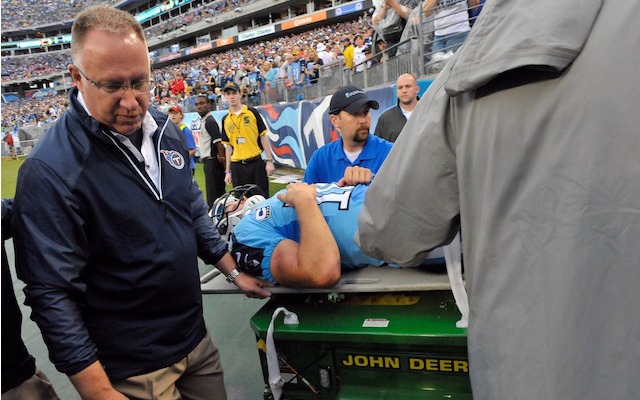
point(229, 208)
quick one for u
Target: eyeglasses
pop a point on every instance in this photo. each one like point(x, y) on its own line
point(138, 87)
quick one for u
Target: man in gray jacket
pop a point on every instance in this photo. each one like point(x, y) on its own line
point(528, 141)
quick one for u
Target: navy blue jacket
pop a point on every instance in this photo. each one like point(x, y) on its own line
point(110, 261)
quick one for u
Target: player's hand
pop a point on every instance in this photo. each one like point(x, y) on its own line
point(355, 175)
point(297, 193)
point(227, 179)
point(252, 286)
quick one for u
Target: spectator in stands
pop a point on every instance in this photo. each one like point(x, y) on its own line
point(177, 85)
point(349, 113)
point(325, 56)
point(297, 71)
point(390, 18)
point(370, 57)
point(313, 65)
point(337, 55)
point(283, 75)
point(270, 90)
point(359, 58)
point(391, 122)
point(347, 51)
point(381, 50)
point(451, 25)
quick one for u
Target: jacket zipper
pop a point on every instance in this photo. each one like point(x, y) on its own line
point(157, 192)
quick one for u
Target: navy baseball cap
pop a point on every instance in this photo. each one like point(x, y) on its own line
point(231, 86)
point(350, 99)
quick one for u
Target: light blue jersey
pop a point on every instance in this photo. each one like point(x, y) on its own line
point(272, 221)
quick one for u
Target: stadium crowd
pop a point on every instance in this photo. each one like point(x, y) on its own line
point(21, 68)
point(33, 110)
point(195, 15)
point(18, 14)
point(179, 83)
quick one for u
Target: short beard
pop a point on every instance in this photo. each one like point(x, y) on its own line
point(361, 139)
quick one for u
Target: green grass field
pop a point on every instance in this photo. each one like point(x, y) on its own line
point(10, 175)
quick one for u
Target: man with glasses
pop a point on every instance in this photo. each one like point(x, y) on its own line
point(108, 225)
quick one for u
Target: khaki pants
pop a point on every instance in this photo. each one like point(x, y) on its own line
point(198, 376)
point(38, 387)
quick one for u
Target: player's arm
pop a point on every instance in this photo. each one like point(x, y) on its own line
point(315, 261)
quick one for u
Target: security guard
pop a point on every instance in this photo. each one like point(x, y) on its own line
point(244, 136)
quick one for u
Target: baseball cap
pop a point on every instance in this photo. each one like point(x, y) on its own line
point(175, 108)
point(320, 47)
point(231, 86)
point(350, 99)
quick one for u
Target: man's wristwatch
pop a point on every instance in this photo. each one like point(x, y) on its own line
point(233, 275)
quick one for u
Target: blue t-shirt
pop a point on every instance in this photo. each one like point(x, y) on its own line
point(258, 233)
point(329, 161)
point(191, 144)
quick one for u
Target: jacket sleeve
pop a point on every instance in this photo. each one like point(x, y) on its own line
point(380, 125)
point(51, 253)
point(212, 127)
point(211, 246)
point(412, 205)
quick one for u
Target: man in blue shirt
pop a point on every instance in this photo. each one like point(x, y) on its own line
point(176, 115)
point(349, 111)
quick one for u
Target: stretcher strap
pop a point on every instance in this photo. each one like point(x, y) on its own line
point(275, 378)
point(453, 258)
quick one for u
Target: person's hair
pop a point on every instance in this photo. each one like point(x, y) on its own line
point(204, 96)
point(102, 18)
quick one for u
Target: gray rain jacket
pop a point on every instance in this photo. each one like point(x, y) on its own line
point(530, 141)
